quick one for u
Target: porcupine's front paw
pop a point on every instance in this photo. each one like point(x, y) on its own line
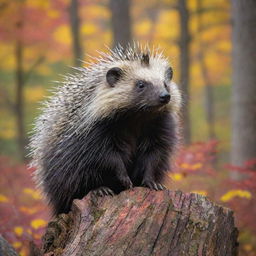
point(126, 182)
point(153, 185)
point(103, 191)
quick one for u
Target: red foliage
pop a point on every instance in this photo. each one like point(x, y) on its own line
point(22, 213)
point(197, 158)
point(248, 175)
point(245, 210)
point(31, 24)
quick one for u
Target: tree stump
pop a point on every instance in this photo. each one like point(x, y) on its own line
point(143, 222)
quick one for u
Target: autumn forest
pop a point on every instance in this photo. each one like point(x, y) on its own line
point(210, 45)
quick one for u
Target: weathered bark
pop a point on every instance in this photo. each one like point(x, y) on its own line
point(121, 22)
point(6, 249)
point(184, 66)
point(143, 222)
point(244, 82)
point(75, 31)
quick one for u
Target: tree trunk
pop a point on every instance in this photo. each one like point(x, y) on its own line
point(184, 66)
point(19, 106)
point(75, 31)
point(209, 99)
point(244, 82)
point(143, 222)
point(121, 22)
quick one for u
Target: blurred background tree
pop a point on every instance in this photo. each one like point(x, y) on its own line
point(75, 32)
point(41, 39)
point(244, 82)
point(120, 22)
point(184, 48)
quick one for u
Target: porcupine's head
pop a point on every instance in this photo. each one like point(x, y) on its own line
point(140, 79)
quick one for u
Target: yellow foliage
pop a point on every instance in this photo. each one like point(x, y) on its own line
point(213, 34)
point(7, 128)
point(235, 193)
point(164, 31)
point(53, 13)
point(34, 193)
point(28, 210)
point(192, 5)
point(176, 176)
point(98, 11)
point(7, 60)
point(38, 3)
point(196, 166)
point(191, 166)
point(184, 165)
point(18, 230)
point(143, 28)
point(3, 198)
point(30, 54)
point(200, 192)
point(196, 73)
point(88, 29)
point(62, 35)
point(167, 26)
point(38, 223)
point(44, 70)
point(17, 244)
point(224, 46)
point(193, 25)
point(34, 94)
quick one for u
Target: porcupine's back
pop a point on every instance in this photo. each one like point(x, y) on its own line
point(61, 117)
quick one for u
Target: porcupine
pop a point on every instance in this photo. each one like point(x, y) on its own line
point(108, 127)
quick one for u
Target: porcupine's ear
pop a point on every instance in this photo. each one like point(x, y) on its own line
point(145, 60)
point(169, 74)
point(114, 75)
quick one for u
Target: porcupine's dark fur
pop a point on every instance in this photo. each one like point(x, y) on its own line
point(129, 147)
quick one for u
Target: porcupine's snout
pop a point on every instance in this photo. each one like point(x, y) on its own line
point(164, 97)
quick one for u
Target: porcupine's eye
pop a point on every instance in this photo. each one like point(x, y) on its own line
point(169, 74)
point(140, 84)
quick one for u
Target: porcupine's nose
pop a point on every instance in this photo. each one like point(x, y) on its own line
point(165, 97)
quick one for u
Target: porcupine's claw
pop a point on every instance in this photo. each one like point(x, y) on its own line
point(103, 191)
point(153, 185)
point(126, 182)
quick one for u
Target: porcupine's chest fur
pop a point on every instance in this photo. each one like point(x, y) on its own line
point(135, 134)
